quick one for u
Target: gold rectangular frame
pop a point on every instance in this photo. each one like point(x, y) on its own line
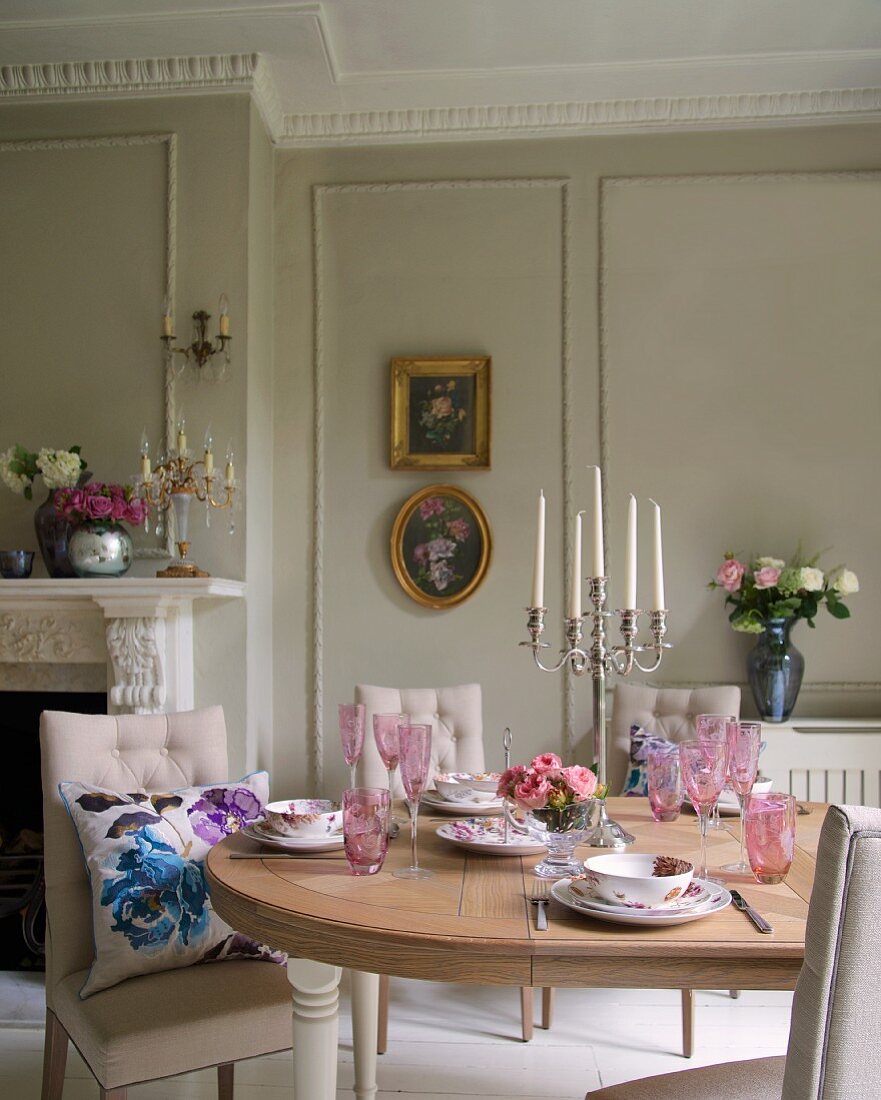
point(403, 370)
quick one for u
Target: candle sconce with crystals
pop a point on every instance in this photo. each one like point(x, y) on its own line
point(209, 358)
point(179, 479)
point(593, 655)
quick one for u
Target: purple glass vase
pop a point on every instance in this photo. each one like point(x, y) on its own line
point(54, 531)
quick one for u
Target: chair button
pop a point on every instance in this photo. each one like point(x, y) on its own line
point(114, 753)
point(163, 751)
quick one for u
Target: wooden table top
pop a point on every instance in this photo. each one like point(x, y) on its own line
point(471, 921)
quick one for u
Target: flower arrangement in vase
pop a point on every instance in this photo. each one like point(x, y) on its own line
point(768, 597)
point(19, 470)
point(100, 546)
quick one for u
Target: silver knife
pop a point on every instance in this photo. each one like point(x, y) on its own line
point(757, 919)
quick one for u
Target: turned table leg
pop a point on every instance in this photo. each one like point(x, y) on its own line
point(315, 992)
point(365, 1014)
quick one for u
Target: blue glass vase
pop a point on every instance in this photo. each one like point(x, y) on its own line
point(775, 669)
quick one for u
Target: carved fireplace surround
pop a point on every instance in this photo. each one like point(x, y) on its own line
point(140, 629)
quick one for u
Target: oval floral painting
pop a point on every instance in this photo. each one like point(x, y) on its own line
point(440, 546)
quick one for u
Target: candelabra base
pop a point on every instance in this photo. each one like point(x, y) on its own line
point(607, 833)
point(182, 569)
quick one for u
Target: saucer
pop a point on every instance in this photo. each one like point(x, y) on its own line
point(487, 835)
point(263, 834)
point(433, 801)
point(641, 918)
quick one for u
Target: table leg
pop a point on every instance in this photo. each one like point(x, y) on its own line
point(315, 992)
point(365, 1014)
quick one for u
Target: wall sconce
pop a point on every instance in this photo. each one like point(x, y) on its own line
point(209, 359)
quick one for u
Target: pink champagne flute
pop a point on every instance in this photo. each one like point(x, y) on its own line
point(704, 768)
point(770, 835)
point(714, 727)
point(744, 742)
point(415, 763)
point(386, 734)
point(352, 734)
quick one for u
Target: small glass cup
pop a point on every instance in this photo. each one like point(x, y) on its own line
point(365, 828)
point(665, 789)
point(770, 835)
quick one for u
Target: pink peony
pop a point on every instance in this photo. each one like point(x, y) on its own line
point(509, 780)
point(99, 507)
point(441, 406)
point(766, 577)
point(460, 529)
point(580, 781)
point(548, 764)
point(730, 574)
point(431, 506)
point(420, 553)
point(533, 792)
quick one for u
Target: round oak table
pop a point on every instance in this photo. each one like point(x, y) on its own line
point(472, 922)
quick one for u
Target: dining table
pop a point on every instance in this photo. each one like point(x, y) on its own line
point(472, 921)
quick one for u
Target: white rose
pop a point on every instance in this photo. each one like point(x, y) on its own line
point(770, 563)
point(845, 582)
point(16, 482)
point(811, 579)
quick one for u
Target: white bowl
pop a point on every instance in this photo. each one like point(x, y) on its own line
point(304, 817)
point(464, 787)
point(632, 879)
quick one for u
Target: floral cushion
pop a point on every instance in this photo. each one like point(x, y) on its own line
point(642, 742)
point(144, 853)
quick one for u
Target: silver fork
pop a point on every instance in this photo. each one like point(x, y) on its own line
point(539, 898)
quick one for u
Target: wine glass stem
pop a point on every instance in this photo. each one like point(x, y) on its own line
point(704, 817)
point(413, 807)
point(352, 768)
point(391, 798)
point(741, 798)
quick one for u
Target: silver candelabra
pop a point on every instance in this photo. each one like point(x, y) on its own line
point(598, 659)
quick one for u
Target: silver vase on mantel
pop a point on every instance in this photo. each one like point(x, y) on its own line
point(100, 548)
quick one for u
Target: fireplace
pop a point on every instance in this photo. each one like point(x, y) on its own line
point(22, 917)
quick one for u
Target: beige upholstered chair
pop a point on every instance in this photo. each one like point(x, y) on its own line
point(455, 715)
point(156, 1025)
point(834, 1053)
point(669, 712)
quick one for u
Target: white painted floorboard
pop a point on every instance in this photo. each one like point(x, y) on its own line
point(461, 1042)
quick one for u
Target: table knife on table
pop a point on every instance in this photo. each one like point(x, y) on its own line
point(757, 919)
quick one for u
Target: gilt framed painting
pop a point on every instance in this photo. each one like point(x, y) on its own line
point(441, 546)
point(440, 416)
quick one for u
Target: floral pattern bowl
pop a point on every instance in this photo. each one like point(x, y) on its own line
point(467, 786)
point(304, 817)
point(634, 879)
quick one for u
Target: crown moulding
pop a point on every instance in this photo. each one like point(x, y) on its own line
point(253, 73)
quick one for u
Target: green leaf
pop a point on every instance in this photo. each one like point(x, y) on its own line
point(839, 610)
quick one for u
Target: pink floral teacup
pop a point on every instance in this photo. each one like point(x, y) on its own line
point(304, 817)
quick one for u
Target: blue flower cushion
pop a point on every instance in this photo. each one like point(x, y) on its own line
point(642, 742)
point(145, 856)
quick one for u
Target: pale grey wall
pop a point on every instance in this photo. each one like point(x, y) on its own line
point(474, 270)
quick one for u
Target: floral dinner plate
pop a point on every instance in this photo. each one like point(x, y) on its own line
point(640, 918)
point(487, 835)
point(263, 834)
point(698, 893)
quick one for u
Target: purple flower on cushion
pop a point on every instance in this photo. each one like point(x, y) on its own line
point(223, 810)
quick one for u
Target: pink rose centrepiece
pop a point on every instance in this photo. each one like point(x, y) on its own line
point(100, 507)
point(548, 764)
point(581, 782)
point(533, 793)
point(766, 577)
point(730, 574)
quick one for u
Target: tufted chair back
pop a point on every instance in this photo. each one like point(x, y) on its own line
point(456, 720)
point(669, 712)
point(126, 753)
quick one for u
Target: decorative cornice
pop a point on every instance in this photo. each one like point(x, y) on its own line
point(135, 76)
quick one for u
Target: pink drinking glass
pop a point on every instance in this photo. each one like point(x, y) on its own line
point(704, 767)
point(714, 727)
point(352, 734)
point(770, 835)
point(415, 762)
point(386, 734)
point(365, 828)
point(664, 785)
point(744, 742)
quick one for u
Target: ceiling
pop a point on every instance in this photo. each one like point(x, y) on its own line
point(377, 70)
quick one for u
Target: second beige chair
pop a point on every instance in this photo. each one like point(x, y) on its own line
point(455, 715)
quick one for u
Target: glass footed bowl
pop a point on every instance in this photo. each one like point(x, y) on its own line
point(560, 831)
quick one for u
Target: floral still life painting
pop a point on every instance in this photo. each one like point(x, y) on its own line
point(440, 546)
point(440, 413)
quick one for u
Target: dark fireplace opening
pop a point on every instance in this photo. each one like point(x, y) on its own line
point(22, 912)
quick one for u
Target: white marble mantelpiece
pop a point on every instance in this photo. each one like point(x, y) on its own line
point(140, 628)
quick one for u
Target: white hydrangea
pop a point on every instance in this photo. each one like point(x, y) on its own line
point(60, 469)
point(811, 579)
point(845, 582)
point(16, 482)
point(770, 563)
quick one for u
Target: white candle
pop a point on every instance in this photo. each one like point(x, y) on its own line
point(630, 556)
point(598, 566)
point(658, 603)
point(224, 315)
point(167, 329)
point(575, 586)
point(146, 472)
point(538, 573)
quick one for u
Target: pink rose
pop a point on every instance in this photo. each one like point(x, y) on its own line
point(420, 553)
point(509, 780)
point(136, 512)
point(441, 406)
point(99, 507)
point(118, 508)
point(460, 529)
point(548, 764)
point(730, 574)
point(580, 781)
point(432, 506)
point(533, 793)
point(766, 577)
